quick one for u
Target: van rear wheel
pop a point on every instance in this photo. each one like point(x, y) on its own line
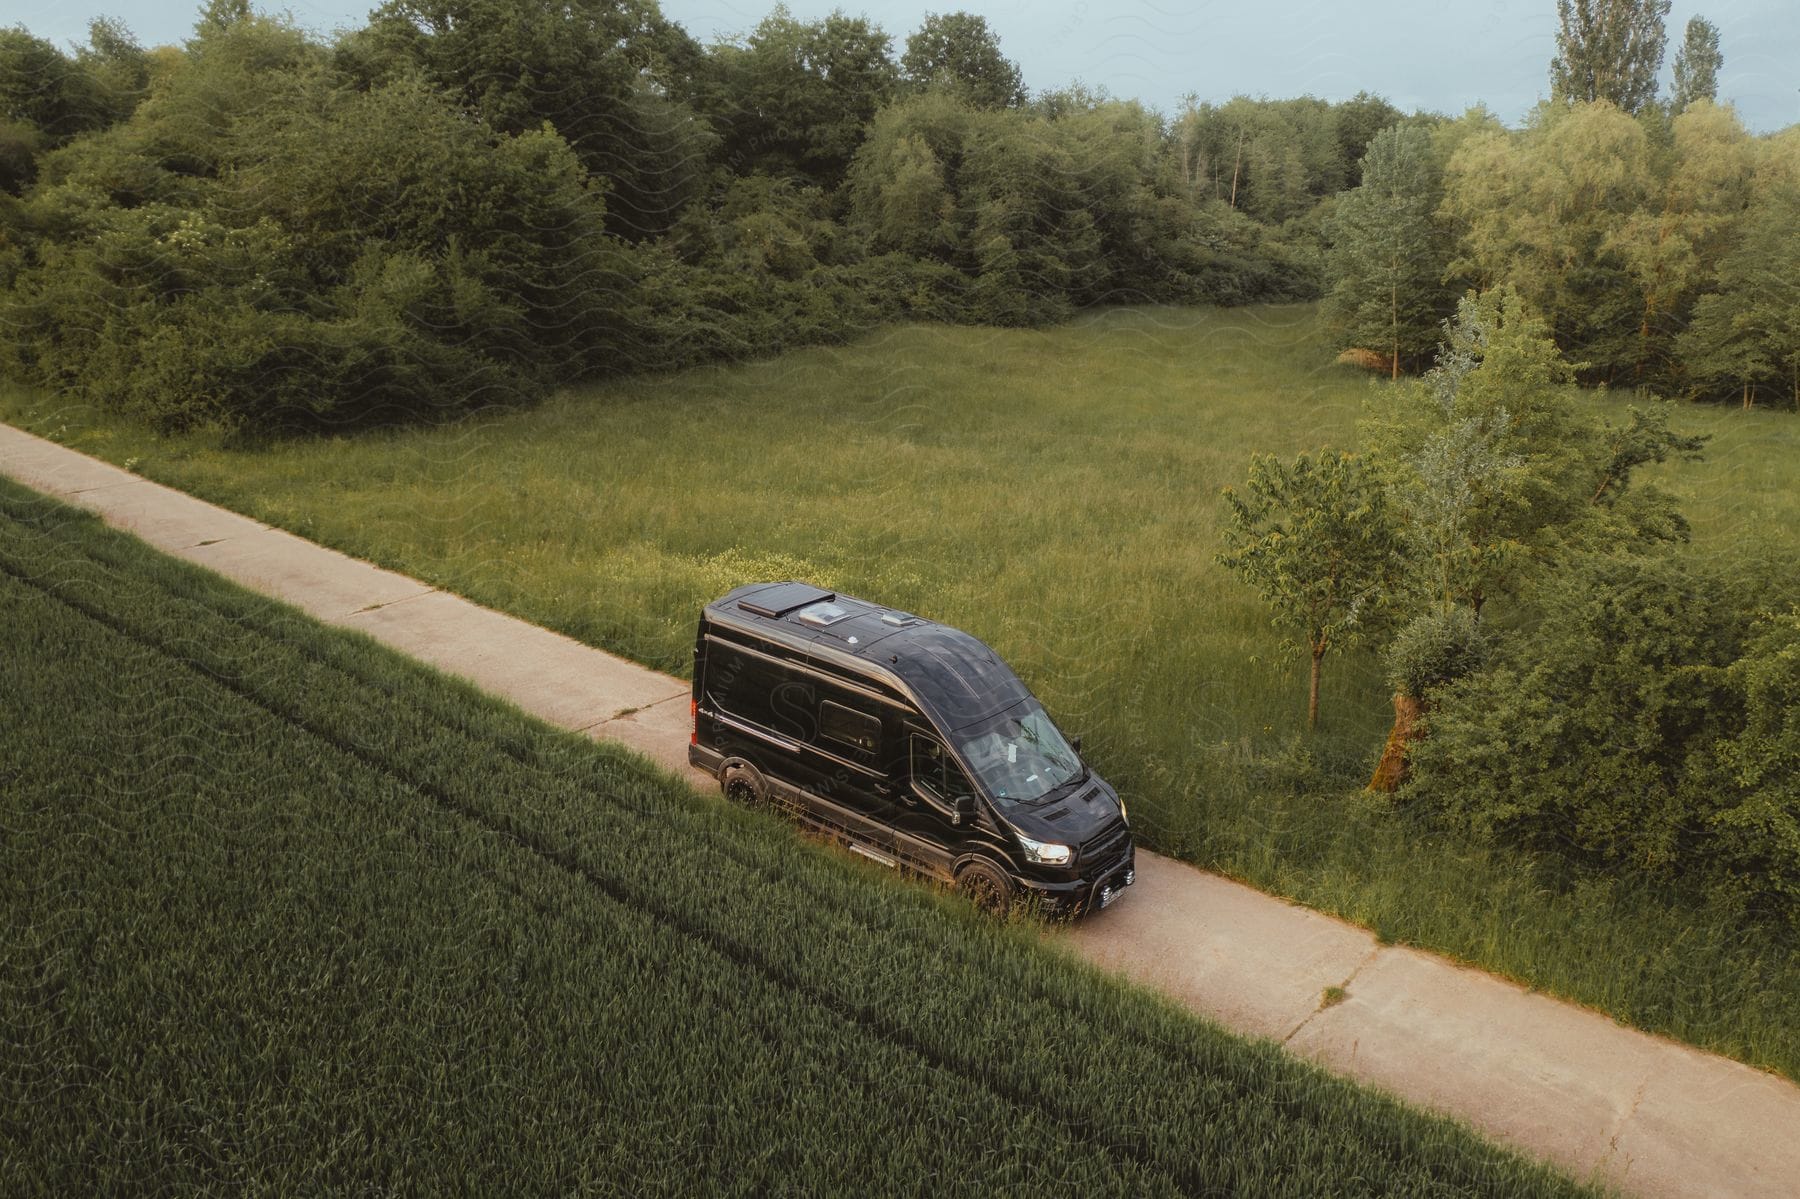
point(743, 785)
point(986, 886)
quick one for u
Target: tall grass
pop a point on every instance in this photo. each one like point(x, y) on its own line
point(1056, 493)
point(290, 914)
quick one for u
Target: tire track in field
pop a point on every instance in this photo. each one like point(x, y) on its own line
point(859, 1019)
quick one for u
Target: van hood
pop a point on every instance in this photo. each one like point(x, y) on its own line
point(1069, 819)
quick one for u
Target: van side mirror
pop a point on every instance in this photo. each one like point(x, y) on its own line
point(1075, 743)
point(964, 808)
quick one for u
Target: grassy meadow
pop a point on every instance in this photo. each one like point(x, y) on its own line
point(1056, 493)
point(291, 914)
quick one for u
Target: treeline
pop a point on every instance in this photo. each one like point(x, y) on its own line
point(1657, 239)
point(470, 202)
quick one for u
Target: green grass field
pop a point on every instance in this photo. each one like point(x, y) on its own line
point(1056, 493)
point(290, 914)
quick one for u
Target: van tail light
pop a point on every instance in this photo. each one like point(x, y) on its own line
point(693, 722)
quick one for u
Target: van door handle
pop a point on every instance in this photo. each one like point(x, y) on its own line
point(883, 790)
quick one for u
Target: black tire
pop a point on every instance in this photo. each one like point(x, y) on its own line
point(743, 784)
point(986, 886)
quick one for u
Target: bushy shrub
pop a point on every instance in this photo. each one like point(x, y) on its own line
point(1646, 723)
point(1436, 649)
point(364, 258)
point(1757, 830)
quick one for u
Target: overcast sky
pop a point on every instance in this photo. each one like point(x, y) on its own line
point(1443, 55)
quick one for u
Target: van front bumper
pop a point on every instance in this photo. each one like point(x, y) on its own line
point(1074, 898)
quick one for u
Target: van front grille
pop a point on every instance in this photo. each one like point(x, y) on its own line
point(1105, 849)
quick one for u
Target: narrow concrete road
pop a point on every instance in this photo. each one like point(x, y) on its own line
point(1643, 1113)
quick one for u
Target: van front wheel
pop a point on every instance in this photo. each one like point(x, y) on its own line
point(743, 785)
point(986, 887)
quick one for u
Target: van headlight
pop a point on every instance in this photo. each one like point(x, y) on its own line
point(1046, 853)
point(1122, 815)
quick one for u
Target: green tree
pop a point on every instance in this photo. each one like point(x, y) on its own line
point(1672, 247)
point(905, 184)
point(1315, 539)
point(118, 66)
point(959, 50)
point(1697, 65)
point(1744, 340)
point(797, 96)
point(43, 88)
point(219, 16)
point(1358, 120)
point(1495, 473)
point(1608, 50)
point(1643, 719)
point(1387, 257)
point(1544, 210)
point(612, 77)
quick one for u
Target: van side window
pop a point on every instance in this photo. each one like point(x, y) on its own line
point(849, 727)
point(928, 764)
point(936, 771)
point(760, 692)
point(956, 783)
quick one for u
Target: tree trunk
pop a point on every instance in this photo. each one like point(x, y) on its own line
point(1312, 700)
point(1394, 302)
point(1236, 163)
point(1390, 772)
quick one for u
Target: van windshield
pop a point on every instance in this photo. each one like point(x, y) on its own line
point(1019, 755)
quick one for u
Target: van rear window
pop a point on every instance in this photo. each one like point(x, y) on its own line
point(849, 727)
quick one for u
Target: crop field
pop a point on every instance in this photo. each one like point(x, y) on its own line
point(1055, 492)
point(288, 913)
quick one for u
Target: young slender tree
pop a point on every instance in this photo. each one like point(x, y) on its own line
point(1697, 65)
point(1608, 50)
point(1314, 538)
point(1387, 256)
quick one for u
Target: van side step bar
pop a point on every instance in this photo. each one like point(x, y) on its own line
point(870, 854)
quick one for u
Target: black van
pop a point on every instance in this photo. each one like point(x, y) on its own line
point(910, 741)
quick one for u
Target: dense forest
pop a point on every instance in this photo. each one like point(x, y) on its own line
point(469, 202)
point(260, 228)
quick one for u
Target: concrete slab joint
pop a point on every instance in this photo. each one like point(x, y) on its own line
point(1328, 1000)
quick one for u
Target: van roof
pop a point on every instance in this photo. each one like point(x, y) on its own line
point(955, 677)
